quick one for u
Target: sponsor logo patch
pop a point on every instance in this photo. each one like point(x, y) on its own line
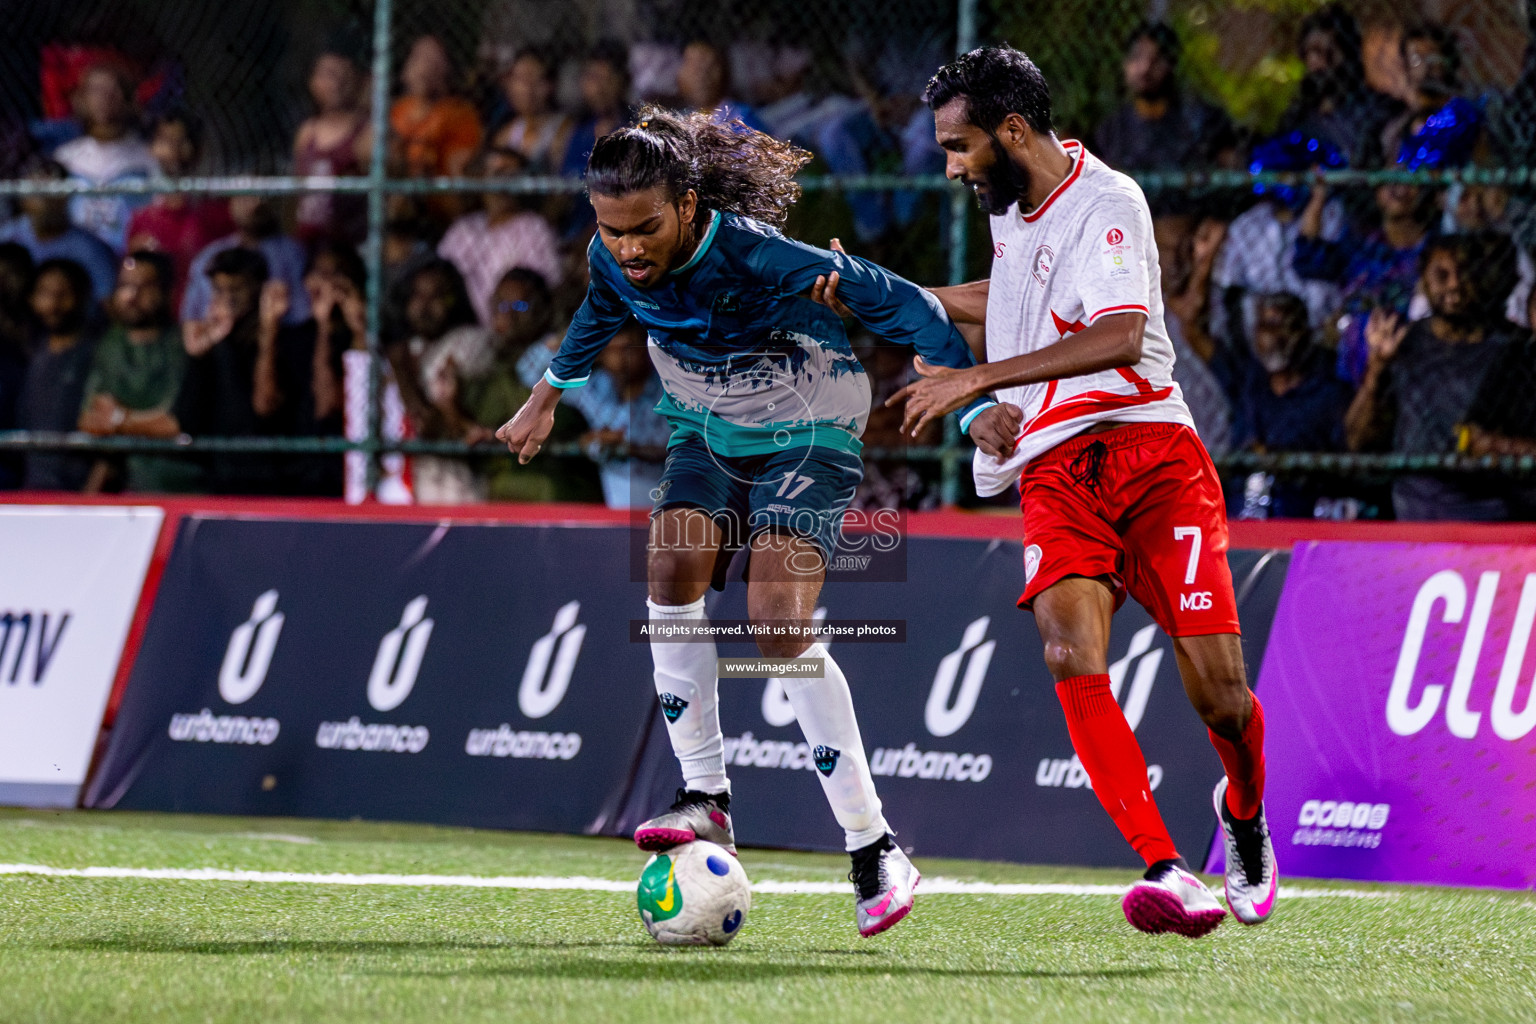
point(1117, 254)
point(1341, 823)
point(1032, 556)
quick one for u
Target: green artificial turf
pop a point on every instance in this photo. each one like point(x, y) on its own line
point(167, 951)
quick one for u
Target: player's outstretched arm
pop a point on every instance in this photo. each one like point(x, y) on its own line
point(525, 433)
point(886, 303)
point(1108, 343)
point(964, 303)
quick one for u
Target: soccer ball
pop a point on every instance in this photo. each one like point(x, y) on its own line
point(693, 895)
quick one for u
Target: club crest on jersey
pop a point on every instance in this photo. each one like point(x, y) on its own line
point(726, 302)
point(673, 706)
point(1045, 259)
point(1115, 236)
point(826, 759)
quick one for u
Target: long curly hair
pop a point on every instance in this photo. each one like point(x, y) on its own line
point(731, 167)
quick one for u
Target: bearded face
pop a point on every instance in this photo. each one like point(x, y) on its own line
point(1001, 184)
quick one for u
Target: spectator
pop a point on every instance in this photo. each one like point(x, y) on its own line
point(15, 338)
point(245, 377)
point(1334, 103)
point(16, 273)
point(336, 283)
point(892, 129)
point(138, 368)
point(256, 229)
point(1439, 128)
point(1258, 256)
point(1205, 375)
point(1502, 419)
point(522, 321)
point(369, 399)
point(1511, 123)
point(704, 84)
point(604, 104)
point(536, 129)
point(1292, 399)
point(1378, 271)
point(485, 244)
point(109, 152)
point(523, 324)
point(45, 232)
point(442, 321)
point(336, 141)
point(407, 248)
point(789, 108)
point(407, 239)
point(1160, 128)
point(435, 132)
point(1421, 378)
point(619, 403)
point(320, 349)
point(175, 223)
point(55, 381)
point(446, 343)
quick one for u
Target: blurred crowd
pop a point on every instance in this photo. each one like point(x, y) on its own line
point(1305, 318)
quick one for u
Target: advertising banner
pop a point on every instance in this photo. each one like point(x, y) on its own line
point(1400, 714)
point(497, 676)
point(389, 671)
point(964, 734)
point(68, 591)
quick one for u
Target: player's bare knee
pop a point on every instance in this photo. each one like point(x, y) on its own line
point(783, 628)
point(1067, 659)
point(675, 577)
point(782, 647)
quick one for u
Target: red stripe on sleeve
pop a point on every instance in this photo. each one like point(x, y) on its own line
point(1132, 308)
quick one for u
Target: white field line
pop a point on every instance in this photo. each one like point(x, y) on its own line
point(582, 883)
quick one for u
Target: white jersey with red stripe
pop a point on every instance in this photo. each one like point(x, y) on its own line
point(1086, 252)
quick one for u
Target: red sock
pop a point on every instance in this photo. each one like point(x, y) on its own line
point(1244, 762)
point(1109, 752)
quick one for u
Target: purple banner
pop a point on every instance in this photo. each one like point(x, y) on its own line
point(1401, 724)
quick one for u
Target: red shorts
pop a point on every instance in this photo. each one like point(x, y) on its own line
point(1142, 505)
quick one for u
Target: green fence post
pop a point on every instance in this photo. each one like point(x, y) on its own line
point(373, 253)
point(959, 239)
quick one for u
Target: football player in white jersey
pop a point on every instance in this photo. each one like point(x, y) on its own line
point(1118, 494)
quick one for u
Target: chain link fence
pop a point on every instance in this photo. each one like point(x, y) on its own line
point(1342, 202)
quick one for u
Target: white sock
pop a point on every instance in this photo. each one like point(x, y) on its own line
point(687, 685)
point(824, 708)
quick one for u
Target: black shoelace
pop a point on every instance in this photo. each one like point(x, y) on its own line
point(866, 874)
point(1157, 869)
point(1087, 464)
point(1250, 848)
point(689, 797)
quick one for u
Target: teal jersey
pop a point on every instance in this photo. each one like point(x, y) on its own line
point(747, 361)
